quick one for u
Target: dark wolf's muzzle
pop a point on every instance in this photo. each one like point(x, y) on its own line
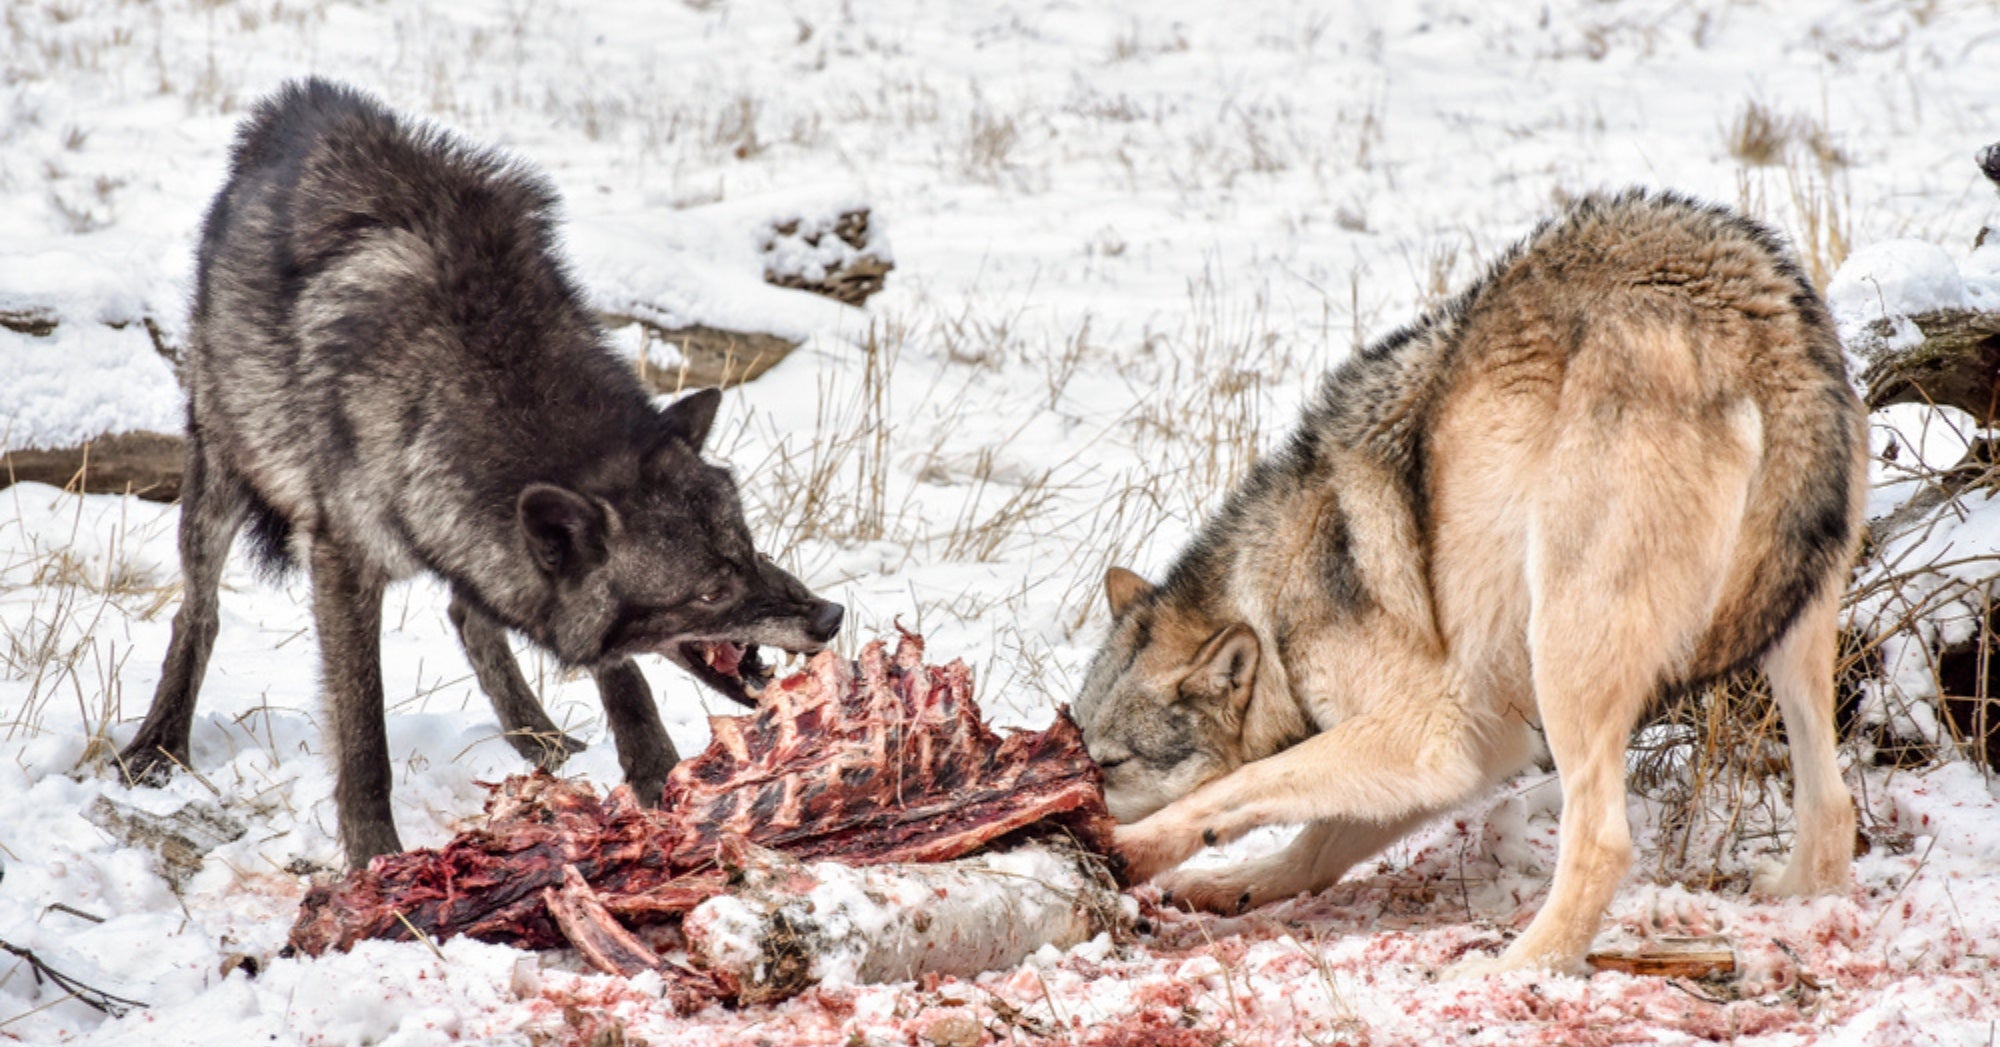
point(826, 621)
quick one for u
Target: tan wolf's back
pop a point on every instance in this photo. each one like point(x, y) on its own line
point(1644, 306)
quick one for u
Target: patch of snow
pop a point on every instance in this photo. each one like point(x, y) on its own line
point(1894, 278)
point(1128, 238)
point(81, 381)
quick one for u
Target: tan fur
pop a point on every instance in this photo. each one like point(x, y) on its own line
point(1641, 467)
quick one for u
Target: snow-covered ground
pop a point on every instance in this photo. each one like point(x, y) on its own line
point(1128, 236)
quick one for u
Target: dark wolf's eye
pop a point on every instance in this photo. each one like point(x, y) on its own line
point(713, 596)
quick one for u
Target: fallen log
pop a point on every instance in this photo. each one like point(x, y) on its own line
point(32, 320)
point(1954, 360)
point(784, 925)
point(1947, 356)
point(145, 464)
point(710, 357)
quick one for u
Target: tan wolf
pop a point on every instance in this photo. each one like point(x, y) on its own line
point(1626, 461)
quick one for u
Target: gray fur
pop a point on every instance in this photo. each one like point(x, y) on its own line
point(1628, 459)
point(390, 372)
point(1383, 400)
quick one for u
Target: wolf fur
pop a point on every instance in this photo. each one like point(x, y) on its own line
point(1626, 461)
point(390, 373)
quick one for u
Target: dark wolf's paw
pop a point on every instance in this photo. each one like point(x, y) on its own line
point(649, 789)
point(149, 765)
point(545, 749)
point(368, 839)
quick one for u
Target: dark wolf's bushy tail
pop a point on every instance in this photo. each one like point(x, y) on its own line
point(270, 539)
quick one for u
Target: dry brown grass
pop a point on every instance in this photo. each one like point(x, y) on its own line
point(988, 148)
point(1758, 136)
point(1823, 231)
point(835, 484)
point(57, 608)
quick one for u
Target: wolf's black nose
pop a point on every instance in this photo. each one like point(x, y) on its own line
point(826, 623)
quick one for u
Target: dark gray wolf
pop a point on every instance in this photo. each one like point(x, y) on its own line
point(1625, 461)
point(391, 372)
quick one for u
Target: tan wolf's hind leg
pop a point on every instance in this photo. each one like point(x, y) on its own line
point(1622, 578)
point(1592, 685)
point(1801, 668)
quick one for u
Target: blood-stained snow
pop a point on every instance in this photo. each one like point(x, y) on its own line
point(1127, 239)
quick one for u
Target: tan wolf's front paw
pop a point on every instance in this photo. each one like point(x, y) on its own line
point(1768, 880)
point(1150, 848)
point(1797, 879)
point(1204, 891)
point(1515, 958)
point(1474, 965)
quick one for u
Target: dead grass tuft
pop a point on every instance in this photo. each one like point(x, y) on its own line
point(1823, 226)
point(1758, 136)
point(990, 139)
point(56, 609)
point(834, 485)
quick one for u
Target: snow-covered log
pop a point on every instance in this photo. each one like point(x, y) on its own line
point(785, 925)
point(1952, 358)
point(839, 253)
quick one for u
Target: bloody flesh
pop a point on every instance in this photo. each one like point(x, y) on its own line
point(883, 759)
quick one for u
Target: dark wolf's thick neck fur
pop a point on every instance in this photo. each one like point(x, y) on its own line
point(1380, 403)
point(408, 254)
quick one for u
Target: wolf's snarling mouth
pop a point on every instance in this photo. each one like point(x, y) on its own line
point(735, 669)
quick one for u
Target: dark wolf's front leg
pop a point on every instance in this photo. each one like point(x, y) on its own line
point(529, 730)
point(644, 750)
point(212, 508)
point(347, 608)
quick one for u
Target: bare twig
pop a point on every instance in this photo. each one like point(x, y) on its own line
point(115, 1006)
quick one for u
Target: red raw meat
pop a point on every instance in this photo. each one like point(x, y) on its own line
point(877, 760)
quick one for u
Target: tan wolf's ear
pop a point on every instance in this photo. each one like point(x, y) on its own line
point(1225, 667)
point(1123, 588)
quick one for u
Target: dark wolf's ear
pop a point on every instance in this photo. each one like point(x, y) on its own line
point(563, 529)
point(691, 416)
point(1225, 667)
point(1123, 588)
